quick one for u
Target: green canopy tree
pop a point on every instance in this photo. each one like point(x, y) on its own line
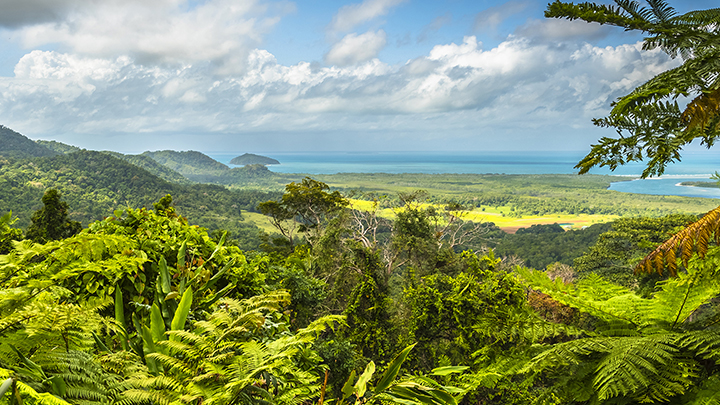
point(51, 222)
point(305, 207)
point(653, 121)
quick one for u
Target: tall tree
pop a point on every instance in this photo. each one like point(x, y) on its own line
point(51, 222)
point(651, 121)
point(305, 207)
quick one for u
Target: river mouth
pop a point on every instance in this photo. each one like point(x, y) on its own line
point(667, 185)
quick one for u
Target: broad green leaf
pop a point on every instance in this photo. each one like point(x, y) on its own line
point(157, 324)
point(412, 394)
point(99, 343)
point(178, 321)
point(149, 348)
point(347, 389)
point(181, 256)
point(148, 340)
point(119, 311)
point(164, 275)
point(58, 385)
point(5, 386)
point(392, 371)
point(447, 370)
point(442, 397)
point(361, 384)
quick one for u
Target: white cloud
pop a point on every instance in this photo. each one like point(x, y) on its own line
point(455, 91)
point(352, 15)
point(155, 32)
point(353, 48)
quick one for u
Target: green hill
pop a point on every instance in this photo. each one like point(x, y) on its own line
point(188, 163)
point(95, 184)
point(252, 159)
point(147, 163)
point(143, 161)
point(18, 146)
point(58, 147)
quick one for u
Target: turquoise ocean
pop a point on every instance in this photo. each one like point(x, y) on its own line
point(695, 166)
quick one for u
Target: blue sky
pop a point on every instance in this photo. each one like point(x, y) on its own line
point(264, 76)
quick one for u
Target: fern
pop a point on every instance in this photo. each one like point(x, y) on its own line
point(639, 349)
point(223, 358)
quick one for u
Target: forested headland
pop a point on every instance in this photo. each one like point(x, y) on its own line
point(150, 279)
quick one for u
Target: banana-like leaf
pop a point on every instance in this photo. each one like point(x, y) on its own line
point(30, 365)
point(164, 276)
point(347, 389)
point(5, 386)
point(149, 348)
point(392, 371)
point(447, 370)
point(99, 343)
point(57, 385)
point(361, 384)
point(157, 324)
point(183, 309)
point(181, 256)
point(120, 316)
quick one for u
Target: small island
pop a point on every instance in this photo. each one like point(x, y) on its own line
point(252, 159)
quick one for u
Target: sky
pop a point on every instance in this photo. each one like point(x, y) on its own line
point(313, 75)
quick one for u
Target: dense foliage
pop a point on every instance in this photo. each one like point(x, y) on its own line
point(15, 145)
point(95, 183)
point(541, 245)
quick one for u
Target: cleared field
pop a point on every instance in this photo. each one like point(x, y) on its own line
point(501, 217)
point(509, 201)
point(259, 220)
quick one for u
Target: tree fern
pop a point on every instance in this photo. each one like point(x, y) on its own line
point(638, 349)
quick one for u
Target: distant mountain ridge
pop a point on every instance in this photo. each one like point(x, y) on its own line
point(253, 159)
point(58, 147)
point(149, 164)
point(176, 167)
point(18, 146)
point(188, 162)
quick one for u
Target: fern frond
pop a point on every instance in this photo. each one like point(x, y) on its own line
point(707, 393)
point(142, 397)
point(634, 367)
point(26, 392)
point(173, 364)
point(679, 297)
point(694, 237)
point(614, 304)
point(564, 354)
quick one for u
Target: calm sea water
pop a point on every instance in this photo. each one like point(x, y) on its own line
point(696, 166)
